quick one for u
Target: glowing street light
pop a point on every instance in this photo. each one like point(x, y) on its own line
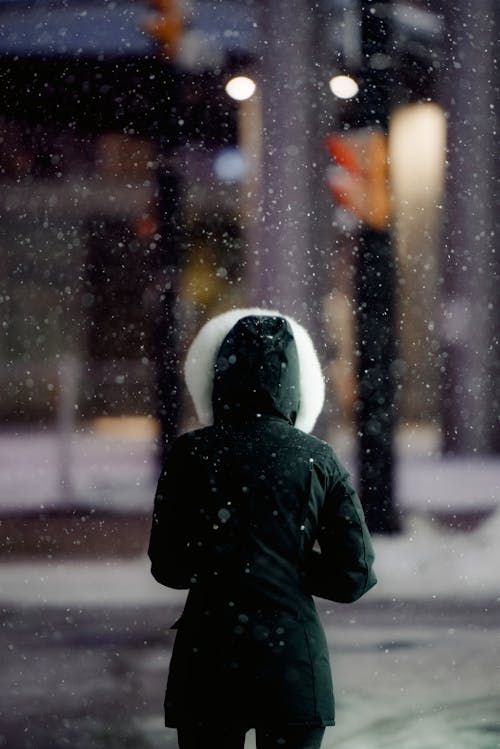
point(343, 86)
point(240, 88)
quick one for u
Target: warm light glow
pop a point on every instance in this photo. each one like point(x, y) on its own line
point(125, 428)
point(240, 88)
point(417, 147)
point(343, 86)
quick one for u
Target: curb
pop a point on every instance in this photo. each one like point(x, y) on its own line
point(77, 533)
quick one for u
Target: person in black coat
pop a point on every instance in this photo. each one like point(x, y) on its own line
point(255, 516)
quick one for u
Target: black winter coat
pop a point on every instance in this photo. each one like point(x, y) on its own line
point(238, 510)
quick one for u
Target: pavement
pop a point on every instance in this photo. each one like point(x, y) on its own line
point(407, 676)
point(85, 631)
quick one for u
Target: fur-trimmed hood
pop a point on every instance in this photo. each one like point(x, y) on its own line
point(202, 360)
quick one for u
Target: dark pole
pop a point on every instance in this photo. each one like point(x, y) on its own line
point(165, 324)
point(165, 93)
point(376, 355)
point(375, 297)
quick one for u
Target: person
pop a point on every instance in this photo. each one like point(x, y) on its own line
point(255, 516)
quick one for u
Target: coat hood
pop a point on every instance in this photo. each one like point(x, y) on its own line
point(254, 361)
point(257, 371)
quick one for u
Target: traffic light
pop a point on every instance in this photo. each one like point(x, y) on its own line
point(359, 181)
point(166, 26)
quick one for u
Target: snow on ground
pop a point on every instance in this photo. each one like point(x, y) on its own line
point(110, 472)
point(44, 470)
point(428, 561)
point(82, 583)
point(425, 561)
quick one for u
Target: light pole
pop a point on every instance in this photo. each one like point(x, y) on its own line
point(245, 91)
point(276, 129)
point(362, 186)
point(166, 27)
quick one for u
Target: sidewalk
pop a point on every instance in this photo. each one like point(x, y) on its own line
point(406, 675)
point(425, 562)
point(86, 629)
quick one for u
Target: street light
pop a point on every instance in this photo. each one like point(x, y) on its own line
point(343, 86)
point(240, 88)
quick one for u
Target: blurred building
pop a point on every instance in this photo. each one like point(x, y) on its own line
point(94, 118)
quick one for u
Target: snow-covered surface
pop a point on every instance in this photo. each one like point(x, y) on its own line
point(111, 473)
point(82, 583)
point(44, 470)
point(424, 562)
point(427, 561)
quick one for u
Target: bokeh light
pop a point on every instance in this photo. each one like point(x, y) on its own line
point(240, 88)
point(343, 86)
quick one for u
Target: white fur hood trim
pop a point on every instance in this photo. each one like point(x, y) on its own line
point(200, 366)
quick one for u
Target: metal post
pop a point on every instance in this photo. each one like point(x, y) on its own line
point(285, 206)
point(165, 323)
point(376, 391)
point(250, 141)
point(281, 237)
point(375, 298)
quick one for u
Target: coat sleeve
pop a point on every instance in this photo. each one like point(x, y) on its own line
point(170, 548)
point(343, 570)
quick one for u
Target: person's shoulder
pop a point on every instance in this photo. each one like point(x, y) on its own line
point(185, 448)
point(311, 441)
point(308, 445)
point(323, 453)
point(195, 435)
point(192, 438)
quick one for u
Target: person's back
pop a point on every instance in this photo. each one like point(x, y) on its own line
point(239, 507)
